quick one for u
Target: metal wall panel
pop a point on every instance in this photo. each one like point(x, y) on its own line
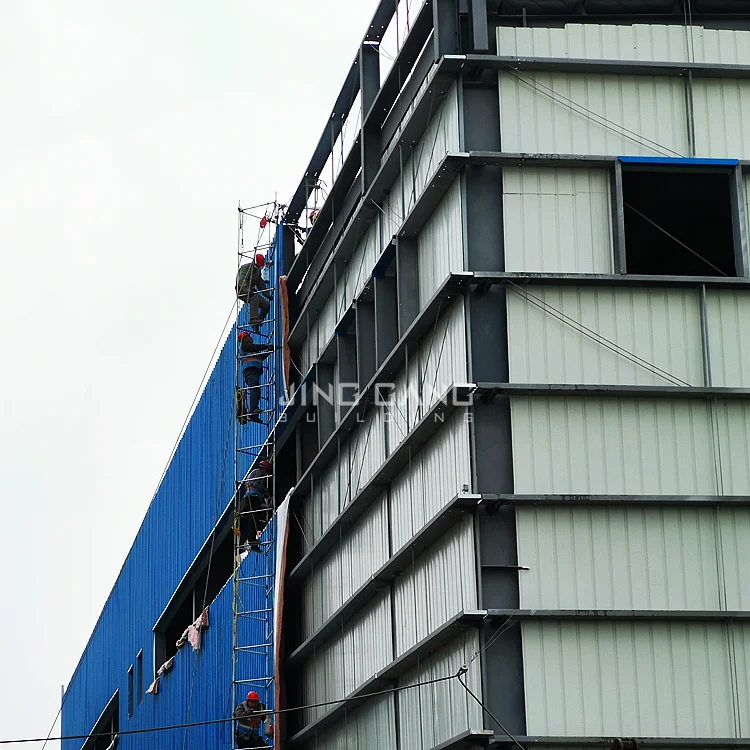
point(593, 114)
point(362, 648)
point(629, 679)
point(732, 540)
point(367, 445)
point(437, 586)
point(335, 578)
point(587, 335)
point(732, 419)
point(722, 109)
point(557, 220)
point(397, 421)
point(434, 476)
point(628, 558)
point(656, 42)
point(728, 327)
point(318, 510)
point(613, 446)
point(443, 710)
point(370, 727)
point(440, 247)
point(358, 270)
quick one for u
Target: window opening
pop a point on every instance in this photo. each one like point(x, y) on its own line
point(139, 676)
point(678, 223)
point(131, 690)
point(108, 726)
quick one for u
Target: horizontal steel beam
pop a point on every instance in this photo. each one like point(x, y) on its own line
point(618, 614)
point(655, 742)
point(468, 740)
point(607, 67)
point(395, 463)
point(389, 675)
point(437, 526)
point(487, 390)
point(619, 500)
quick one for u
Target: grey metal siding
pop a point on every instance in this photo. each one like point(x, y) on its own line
point(557, 220)
point(722, 113)
point(728, 328)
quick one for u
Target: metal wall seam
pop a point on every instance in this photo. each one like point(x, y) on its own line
point(433, 477)
point(661, 326)
point(557, 220)
point(439, 583)
point(440, 244)
point(613, 446)
point(593, 114)
point(356, 653)
point(370, 726)
point(630, 558)
point(639, 41)
point(722, 111)
point(629, 679)
point(728, 322)
point(443, 710)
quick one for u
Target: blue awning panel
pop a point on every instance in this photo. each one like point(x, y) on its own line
point(678, 161)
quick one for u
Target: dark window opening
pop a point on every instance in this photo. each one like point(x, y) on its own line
point(678, 223)
point(131, 691)
point(139, 676)
point(104, 735)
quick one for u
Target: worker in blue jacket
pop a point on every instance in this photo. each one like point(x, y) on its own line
point(252, 356)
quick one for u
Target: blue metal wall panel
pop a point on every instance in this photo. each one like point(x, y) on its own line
point(196, 490)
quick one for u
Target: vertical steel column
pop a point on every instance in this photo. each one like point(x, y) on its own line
point(445, 23)
point(618, 220)
point(369, 84)
point(480, 37)
point(365, 341)
point(407, 282)
point(326, 406)
point(346, 349)
point(495, 529)
point(386, 312)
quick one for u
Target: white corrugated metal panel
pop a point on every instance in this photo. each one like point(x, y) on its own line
point(392, 215)
point(369, 727)
point(587, 335)
point(438, 712)
point(368, 448)
point(327, 319)
point(734, 542)
point(612, 446)
point(654, 42)
point(440, 247)
point(359, 268)
point(335, 578)
point(321, 506)
point(443, 357)
point(733, 454)
point(623, 558)
point(433, 477)
point(628, 679)
point(557, 220)
point(310, 347)
point(728, 324)
point(436, 587)
point(397, 422)
point(722, 111)
point(361, 649)
point(592, 114)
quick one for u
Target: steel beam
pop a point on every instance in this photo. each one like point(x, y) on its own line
point(445, 24)
point(712, 743)
point(369, 84)
point(739, 222)
point(489, 390)
point(471, 739)
point(619, 500)
point(649, 615)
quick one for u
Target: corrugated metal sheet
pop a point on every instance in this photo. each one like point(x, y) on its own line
point(434, 476)
point(557, 220)
point(592, 114)
point(397, 422)
point(362, 648)
point(440, 247)
point(370, 727)
point(443, 710)
point(367, 446)
point(359, 269)
point(572, 335)
point(722, 109)
point(629, 679)
point(335, 578)
point(732, 420)
point(657, 42)
point(318, 510)
point(437, 586)
point(613, 445)
point(728, 324)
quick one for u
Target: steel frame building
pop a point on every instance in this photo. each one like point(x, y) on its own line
point(531, 467)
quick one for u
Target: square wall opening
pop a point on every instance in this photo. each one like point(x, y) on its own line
point(678, 223)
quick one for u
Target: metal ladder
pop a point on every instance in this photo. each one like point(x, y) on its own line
point(255, 564)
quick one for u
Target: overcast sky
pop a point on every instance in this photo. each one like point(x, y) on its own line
point(129, 132)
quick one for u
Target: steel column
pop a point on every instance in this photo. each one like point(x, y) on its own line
point(369, 84)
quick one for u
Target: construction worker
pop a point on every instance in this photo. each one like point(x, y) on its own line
point(252, 289)
point(250, 715)
point(252, 356)
point(256, 491)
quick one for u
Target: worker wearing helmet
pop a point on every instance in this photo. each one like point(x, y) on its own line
point(250, 714)
point(256, 492)
point(252, 356)
point(252, 289)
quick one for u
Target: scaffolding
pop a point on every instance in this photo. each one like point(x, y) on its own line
point(254, 526)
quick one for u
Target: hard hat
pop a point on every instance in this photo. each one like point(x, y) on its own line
point(253, 696)
point(242, 335)
point(265, 464)
point(260, 260)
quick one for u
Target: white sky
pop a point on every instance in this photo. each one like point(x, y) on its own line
point(129, 132)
